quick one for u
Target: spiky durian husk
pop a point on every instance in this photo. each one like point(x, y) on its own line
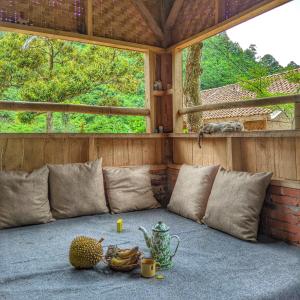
point(85, 252)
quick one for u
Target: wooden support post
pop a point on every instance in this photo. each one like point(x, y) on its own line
point(177, 90)
point(297, 115)
point(166, 100)
point(150, 99)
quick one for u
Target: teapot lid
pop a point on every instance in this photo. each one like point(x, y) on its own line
point(160, 226)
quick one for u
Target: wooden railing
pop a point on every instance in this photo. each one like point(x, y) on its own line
point(295, 99)
point(240, 104)
point(72, 108)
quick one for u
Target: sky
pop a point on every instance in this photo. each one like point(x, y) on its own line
point(276, 32)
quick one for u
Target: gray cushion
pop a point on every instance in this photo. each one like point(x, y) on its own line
point(129, 189)
point(191, 191)
point(236, 201)
point(24, 198)
point(77, 189)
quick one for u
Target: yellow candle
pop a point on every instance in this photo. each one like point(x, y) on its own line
point(120, 225)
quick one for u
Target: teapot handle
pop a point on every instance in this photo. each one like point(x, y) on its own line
point(178, 241)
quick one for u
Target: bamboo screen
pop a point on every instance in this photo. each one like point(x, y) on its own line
point(194, 17)
point(65, 15)
point(122, 21)
point(233, 7)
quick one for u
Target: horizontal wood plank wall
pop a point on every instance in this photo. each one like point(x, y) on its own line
point(18, 152)
point(280, 155)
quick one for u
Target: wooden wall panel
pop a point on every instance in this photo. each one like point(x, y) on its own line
point(135, 151)
point(33, 149)
point(285, 159)
point(212, 151)
point(183, 151)
point(18, 152)
point(220, 152)
point(105, 150)
point(280, 155)
point(248, 150)
point(197, 153)
point(265, 159)
point(13, 155)
point(120, 152)
point(148, 152)
point(208, 151)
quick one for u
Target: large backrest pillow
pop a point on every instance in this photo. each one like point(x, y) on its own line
point(129, 189)
point(24, 198)
point(236, 201)
point(77, 189)
point(191, 191)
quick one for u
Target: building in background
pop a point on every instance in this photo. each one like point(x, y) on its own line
point(253, 118)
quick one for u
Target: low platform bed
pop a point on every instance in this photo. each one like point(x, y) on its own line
point(209, 264)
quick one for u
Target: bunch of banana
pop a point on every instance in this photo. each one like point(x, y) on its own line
point(124, 259)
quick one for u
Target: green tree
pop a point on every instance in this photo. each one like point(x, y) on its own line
point(292, 65)
point(46, 70)
point(260, 84)
point(224, 62)
point(271, 64)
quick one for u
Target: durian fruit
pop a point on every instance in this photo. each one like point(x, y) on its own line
point(85, 252)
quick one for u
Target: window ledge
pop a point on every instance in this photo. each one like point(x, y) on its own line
point(274, 133)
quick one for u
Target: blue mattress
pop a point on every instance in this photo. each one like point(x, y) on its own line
point(209, 264)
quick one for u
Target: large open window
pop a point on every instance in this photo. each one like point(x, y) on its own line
point(38, 69)
point(256, 59)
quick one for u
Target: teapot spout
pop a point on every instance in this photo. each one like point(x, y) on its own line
point(146, 236)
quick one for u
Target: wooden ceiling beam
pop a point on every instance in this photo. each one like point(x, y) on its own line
point(77, 37)
point(173, 14)
point(149, 19)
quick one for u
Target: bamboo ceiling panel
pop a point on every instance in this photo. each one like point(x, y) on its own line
point(67, 15)
point(194, 17)
point(137, 21)
point(121, 20)
point(233, 7)
point(198, 15)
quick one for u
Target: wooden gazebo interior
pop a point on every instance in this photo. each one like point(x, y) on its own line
point(160, 29)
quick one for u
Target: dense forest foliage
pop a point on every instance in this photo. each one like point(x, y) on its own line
point(225, 62)
point(40, 69)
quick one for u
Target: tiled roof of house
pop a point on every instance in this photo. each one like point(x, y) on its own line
point(234, 92)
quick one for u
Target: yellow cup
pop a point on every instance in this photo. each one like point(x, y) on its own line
point(149, 267)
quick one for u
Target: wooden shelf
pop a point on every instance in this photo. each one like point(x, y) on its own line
point(241, 134)
point(169, 92)
point(158, 93)
point(162, 93)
